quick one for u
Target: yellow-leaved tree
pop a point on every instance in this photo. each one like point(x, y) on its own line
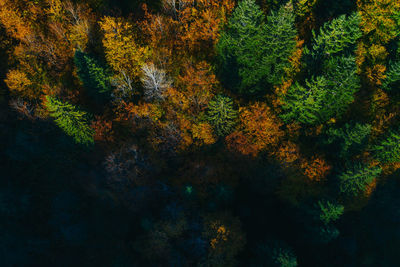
point(122, 51)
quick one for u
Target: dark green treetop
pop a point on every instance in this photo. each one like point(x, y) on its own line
point(252, 54)
point(392, 80)
point(349, 139)
point(329, 211)
point(388, 149)
point(92, 74)
point(354, 180)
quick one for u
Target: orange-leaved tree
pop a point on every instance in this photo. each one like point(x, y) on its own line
point(258, 129)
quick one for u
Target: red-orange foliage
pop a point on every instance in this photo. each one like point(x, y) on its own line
point(259, 128)
point(193, 26)
point(102, 130)
point(197, 84)
point(315, 169)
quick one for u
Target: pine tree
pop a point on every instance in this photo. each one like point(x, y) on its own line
point(337, 35)
point(388, 150)
point(254, 54)
point(354, 180)
point(329, 212)
point(91, 73)
point(222, 115)
point(71, 120)
point(392, 80)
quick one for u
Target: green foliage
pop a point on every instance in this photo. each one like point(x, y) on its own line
point(91, 73)
point(222, 115)
point(303, 103)
point(349, 138)
point(252, 53)
point(274, 253)
point(329, 212)
point(337, 35)
point(388, 150)
point(270, 4)
point(284, 257)
point(71, 120)
point(355, 179)
point(327, 233)
point(325, 96)
point(281, 34)
point(392, 80)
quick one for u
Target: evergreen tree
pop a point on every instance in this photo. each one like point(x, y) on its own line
point(337, 35)
point(392, 80)
point(325, 96)
point(348, 139)
point(91, 73)
point(252, 53)
point(221, 115)
point(388, 150)
point(329, 212)
point(284, 257)
point(355, 179)
point(71, 120)
point(326, 234)
point(304, 103)
point(274, 253)
point(281, 35)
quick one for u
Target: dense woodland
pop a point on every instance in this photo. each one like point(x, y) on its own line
point(200, 133)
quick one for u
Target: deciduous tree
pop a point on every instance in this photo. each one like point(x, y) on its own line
point(122, 51)
point(155, 82)
point(258, 129)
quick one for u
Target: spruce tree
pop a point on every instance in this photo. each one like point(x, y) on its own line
point(388, 150)
point(354, 180)
point(71, 120)
point(222, 115)
point(392, 80)
point(326, 233)
point(348, 139)
point(304, 103)
point(325, 96)
point(274, 253)
point(284, 257)
point(253, 54)
point(329, 211)
point(91, 73)
point(337, 36)
point(281, 35)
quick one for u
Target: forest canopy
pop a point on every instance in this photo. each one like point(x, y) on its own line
point(200, 132)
